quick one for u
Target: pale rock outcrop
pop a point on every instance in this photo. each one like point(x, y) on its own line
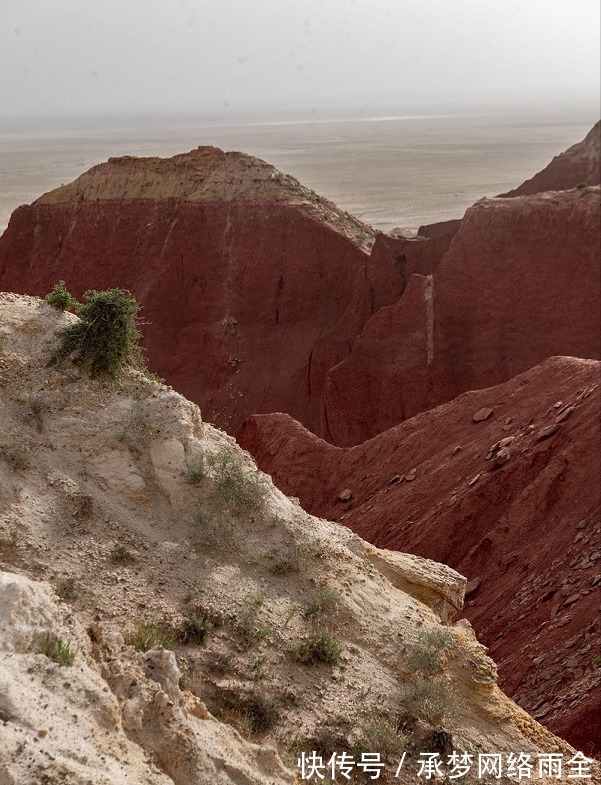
point(62, 723)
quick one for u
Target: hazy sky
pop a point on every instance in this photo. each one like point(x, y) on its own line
point(311, 58)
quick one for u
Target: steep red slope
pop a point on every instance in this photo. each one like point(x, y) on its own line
point(580, 163)
point(523, 524)
point(251, 286)
point(239, 270)
point(519, 283)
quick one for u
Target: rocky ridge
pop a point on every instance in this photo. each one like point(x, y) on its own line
point(579, 164)
point(110, 492)
point(501, 484)
point(206, 174)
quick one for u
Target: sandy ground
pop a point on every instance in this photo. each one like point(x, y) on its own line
point(387, 172)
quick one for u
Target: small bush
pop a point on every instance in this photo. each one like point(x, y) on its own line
point(262, 711)
point(322, 603)
point(246, 625)
point(119, 554)
point(149, 634)
point(380, 732)
point(218, 662)
point(153, 377)
point(426, 693)
point(427, 656)
point(82, 505)
point(13, 537)
point(217, 535)
point(37, 412)
point(239, 489)
point(329, 738)
point(56, 649)
point(581, 186)
point(285, 562)
point(317, 647)
point(60, 298)
point(430, 699)
point(66, 588)
point(137, 428)
point(195, 629)
point(106, 338)
point(193, 472)
point(252, 712)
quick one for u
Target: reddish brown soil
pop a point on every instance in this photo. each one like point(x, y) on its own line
point(235, 296)
point(528, 531)
point(579, 164)
point(251, 287)
point(519, 283)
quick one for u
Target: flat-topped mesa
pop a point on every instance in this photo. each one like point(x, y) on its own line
point(205, 174)
point(579, 164)
point(242, 273)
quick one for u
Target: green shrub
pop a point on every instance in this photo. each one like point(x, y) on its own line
point(195, 629)
point(60, 298)
point(322, 603)
point(56, 649)
point(262, 711)
point(428, 698)
point(239, 489)
point(149, 634)
point(426, 693)
point(252, 712)
point(66, 588)
point(427, 655)
point(284, 562)
point(581, 186)
point(320, 646)
point(106, 338)
point(138, 429)
point(246, 625)
point(217, 534)
point(379, 732)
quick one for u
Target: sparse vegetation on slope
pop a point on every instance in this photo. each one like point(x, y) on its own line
point(319, 647)
point(255, 622)
point(57, 649)
point(148, 634)
point(427, 693)
point(240, 489)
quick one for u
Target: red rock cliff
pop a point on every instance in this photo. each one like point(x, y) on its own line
point(519, 283)
point(240, 271)
point(252, 286)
